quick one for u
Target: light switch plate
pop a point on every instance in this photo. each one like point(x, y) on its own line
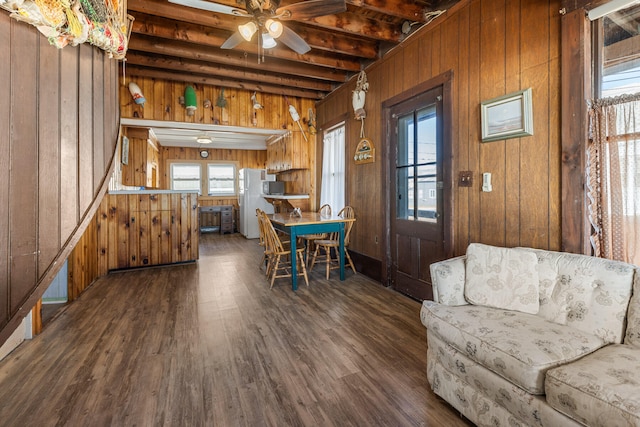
point(465, 179)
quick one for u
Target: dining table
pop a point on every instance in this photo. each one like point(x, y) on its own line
point(309, 223)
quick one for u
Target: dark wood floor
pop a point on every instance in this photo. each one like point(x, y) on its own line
point(208, 344)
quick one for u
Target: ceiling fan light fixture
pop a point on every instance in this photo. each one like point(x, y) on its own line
point(247, 30)
point(204, 139)
point(275, 28)
point(268, 42)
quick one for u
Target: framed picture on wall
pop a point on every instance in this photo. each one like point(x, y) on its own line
point(508, 116)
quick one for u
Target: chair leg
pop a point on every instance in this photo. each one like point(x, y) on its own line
point(327, 251)
point(313, 261)
point(304, 269)
point(346, 252)
point(274, 271)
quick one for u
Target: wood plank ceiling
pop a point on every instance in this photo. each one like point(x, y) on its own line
point(176, 42)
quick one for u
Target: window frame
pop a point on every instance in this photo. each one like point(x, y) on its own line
point(204, 176)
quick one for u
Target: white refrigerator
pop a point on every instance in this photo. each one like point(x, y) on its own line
point(250, 198)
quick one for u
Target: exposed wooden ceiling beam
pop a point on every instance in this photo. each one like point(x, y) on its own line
point(399, 8)
point(225, 72)
point(200, 34)
point(180, 76)
point(357, 24)
point(316, 38)
point(233, 58)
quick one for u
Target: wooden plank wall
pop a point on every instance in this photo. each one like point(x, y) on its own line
point(57, 140)
point(163, 104)
point(493, 47)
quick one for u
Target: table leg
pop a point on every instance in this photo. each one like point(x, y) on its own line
point(341, 251)
point(294, 269)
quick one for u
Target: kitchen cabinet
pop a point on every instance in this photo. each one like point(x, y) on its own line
point(148, 227)
point(289, 152)
point(141, 169)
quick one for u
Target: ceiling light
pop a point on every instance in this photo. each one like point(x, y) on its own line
point(247, 30)
point(204, 139)
point(274, 28)
point(268, 42)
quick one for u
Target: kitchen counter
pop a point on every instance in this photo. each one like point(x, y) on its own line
point(283, 203)
point(151, 191)
point(286, 196)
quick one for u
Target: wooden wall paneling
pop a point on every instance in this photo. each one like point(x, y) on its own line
point(460, 139)
point(513, 41)
point(102, 227)
point(122, 230)
point(183, 236)
point(174, 221)
point(5, 138)
point(555, 136)
point(473, 131)
point(134, 230)
point(48, 150)
point(169, 104)
point(69, 85)
point(492, 154)
point(112, 233)
point(158, 94)
point(192, 232)
point(165, 236)
point(411, 63)
point(155, 229)
point(111, 106)
point(536, 149)
point(23, 182)
point(143, 226)
point(85, 126)
point(101, 151)
point(426, 47)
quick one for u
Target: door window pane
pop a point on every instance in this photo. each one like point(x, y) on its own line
point(405, 136)
point(427, 194)
point(404, 190)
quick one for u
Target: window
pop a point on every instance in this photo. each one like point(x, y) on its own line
point(214, 179)
point(221, 179)
point(185, 177)
point(333, 168)
point(618, 70)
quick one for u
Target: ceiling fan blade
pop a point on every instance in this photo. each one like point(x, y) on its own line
point(311, 9)
point(211, 7)
point(294, 41)
point(233, 41)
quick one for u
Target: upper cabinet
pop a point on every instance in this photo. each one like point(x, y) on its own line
point(141, 169)
point(288, 152)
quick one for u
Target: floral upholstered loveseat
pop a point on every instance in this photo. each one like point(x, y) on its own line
point(527, 337)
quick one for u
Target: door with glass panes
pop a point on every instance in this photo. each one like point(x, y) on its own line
point(417, 193)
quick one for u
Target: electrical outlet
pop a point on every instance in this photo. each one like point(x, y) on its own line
point(465, 179)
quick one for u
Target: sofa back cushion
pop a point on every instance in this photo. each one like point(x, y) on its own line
point(504, 278)
point(588, 293)
point(633, 315)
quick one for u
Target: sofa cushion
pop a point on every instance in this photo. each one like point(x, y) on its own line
point(633, 315)
point(595, 291)
point(520, 347)
point(448, 281)
point(602, 389)
point(504, 278)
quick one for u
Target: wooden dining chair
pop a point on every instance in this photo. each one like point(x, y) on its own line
point(278, 257)
point(333, 242)
point(309, 239)
point(261, 237)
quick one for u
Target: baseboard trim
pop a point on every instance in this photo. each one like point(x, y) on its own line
point(368, 266)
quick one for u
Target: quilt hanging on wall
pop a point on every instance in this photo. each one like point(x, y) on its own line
point(99, 22)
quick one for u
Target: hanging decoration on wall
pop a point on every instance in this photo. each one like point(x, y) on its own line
point(295, 116)
point(190, 102)
point(256, 106)
point(312, 122)
point(103, 23)
point(136, 94)
point(365, 151)
point(222, 103)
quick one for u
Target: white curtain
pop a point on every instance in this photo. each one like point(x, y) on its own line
point(333, 169)
point(613, 177)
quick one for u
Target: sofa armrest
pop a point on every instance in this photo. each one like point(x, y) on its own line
point(447, 278)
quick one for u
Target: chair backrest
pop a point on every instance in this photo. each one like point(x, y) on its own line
point(261, 241)
point(272, 239)
point(348, 213)
point(325, 210)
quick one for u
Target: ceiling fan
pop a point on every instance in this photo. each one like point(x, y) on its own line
point(265, 17)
